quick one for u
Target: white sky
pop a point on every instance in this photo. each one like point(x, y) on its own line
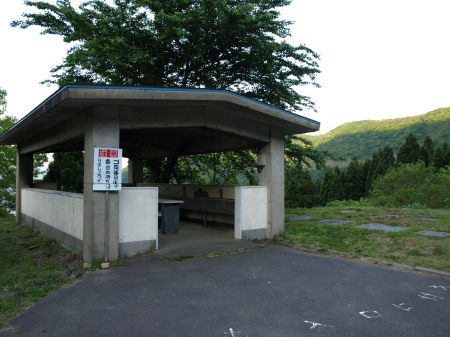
point(379, 59)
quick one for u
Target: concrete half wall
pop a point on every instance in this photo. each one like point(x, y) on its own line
point(59, 215)
point(250, 212)
point(138, 220)
point(56, 214)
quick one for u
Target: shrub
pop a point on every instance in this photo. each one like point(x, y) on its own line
point(412, 184)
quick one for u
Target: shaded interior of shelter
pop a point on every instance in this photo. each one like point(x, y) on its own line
point(205, 219)
point(195, 239)
point(154, 142)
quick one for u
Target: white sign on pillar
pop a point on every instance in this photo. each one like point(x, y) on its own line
point(107, 169)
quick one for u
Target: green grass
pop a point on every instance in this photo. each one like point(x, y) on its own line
point(32, 266)
point(405, 247)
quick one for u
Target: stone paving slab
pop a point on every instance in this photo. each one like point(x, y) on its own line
point(432, 233)
point(294, 217)
point(344, 211)
point(380, 227)
point(334, 222)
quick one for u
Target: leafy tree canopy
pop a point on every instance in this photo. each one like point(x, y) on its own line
point(223, 44)
point(66, 170)
point(7, 162)
point(236, 45)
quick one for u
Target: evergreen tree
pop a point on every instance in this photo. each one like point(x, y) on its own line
point(429, 146)
point(382, 160)
point(409, 151)
point(441, 156)
point(331, 188)
point(387, 159)
point(66, 170)
point(426, 151)
point(300, 190)
point(366, 169)
point(353, 182)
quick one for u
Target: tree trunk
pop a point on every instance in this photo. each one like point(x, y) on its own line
point(168, 169)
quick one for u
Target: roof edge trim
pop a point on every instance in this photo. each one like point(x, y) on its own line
point(95, 86)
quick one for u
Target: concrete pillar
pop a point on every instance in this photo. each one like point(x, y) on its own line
point(135, 171)
point(271, 156)
point(24, 178)
point(101, 209)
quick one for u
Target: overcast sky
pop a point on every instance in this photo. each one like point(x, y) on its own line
point(379, 59)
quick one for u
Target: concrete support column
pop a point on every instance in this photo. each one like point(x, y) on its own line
point(101, 209)
point(135, 171)
point(24, 178)
point(271, 156)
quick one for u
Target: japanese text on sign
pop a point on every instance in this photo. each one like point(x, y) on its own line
point(107, 169)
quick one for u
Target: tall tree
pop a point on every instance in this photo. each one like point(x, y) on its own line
point(300, 151)
point(66, 170)
point(382, 160)
point(426, 152)
point(409, 151)
point(7, 162)
point(300, 190)
point(224, 44)
point(331, 188)
point(353, 182)
point(441, 157)
point(237, 45)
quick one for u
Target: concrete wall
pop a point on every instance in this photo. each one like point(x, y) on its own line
point(56, 214)
point(250, 212)
point(138, 220)
point(59, 215)
point(251, 206)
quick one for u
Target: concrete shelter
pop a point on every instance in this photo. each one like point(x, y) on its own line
point(146, 122)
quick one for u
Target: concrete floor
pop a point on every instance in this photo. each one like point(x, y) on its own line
point(195, 239)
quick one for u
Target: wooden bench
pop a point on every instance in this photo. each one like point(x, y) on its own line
point(204, 205)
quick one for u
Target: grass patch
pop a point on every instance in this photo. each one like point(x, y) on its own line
point(406, 247)
point(32, 265)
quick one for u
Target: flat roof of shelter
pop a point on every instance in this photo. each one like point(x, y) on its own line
point(218, 119)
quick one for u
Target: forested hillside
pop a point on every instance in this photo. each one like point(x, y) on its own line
point(362, 138)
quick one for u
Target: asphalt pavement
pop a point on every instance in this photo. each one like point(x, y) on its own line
point(273, 291)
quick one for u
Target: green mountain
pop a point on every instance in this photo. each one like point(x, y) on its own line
point(362, 138)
